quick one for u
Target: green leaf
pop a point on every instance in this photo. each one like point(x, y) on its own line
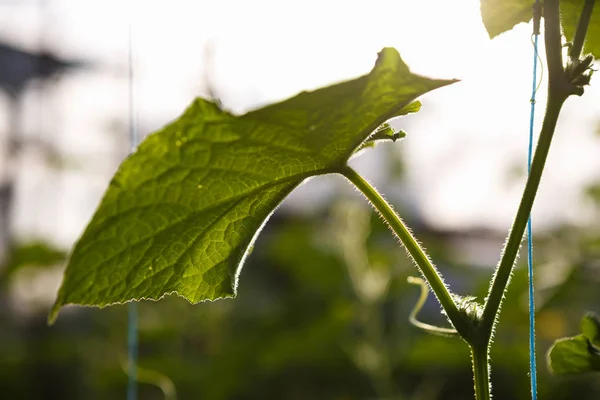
point(578, 354)
point(590, 327)
point(502, 15)
point(182, 211)
point(386, 132)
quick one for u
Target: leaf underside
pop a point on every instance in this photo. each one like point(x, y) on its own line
point(502, 15)
point(182, 211)
point(578, 354)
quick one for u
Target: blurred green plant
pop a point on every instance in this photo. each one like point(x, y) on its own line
point(578, 354)
point(36, 254)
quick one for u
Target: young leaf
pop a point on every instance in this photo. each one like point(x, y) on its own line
point(182, 211)
point(578, 354)
point(502, 15)
point(386, 132)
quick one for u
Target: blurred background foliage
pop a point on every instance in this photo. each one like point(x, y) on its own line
point(322, 313)
point(323, 304)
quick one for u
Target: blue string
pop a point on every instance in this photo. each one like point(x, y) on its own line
point(132, 346)
point(532, 363)
point(132, 323)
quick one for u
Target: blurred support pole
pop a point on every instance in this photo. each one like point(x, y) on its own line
point(132, 324)
point(17, 69)
point(7, 173)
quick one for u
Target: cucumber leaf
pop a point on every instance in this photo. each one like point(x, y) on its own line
point(183, 210)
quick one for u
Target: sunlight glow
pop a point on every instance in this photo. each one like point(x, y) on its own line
point(459, 148)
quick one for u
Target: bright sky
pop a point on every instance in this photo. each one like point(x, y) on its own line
point(459, 149)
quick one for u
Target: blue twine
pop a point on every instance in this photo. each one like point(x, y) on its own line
point(532, 363)
point(132, 323)
point(132, 348)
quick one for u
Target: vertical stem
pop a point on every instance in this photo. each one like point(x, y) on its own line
point(558, 91)
point(582, 27)
point(504, 270)
point(553, 43)
point(481, 371)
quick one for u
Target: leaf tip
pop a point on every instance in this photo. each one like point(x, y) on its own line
point(388, 55)
point(53, 314)
point(388, 51)
point(492, 33)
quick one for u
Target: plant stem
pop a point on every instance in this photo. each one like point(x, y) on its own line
point(478, 336)
point(507, 262)
point(558, 91)
point(414, 249)
point(481, 371)
point(581, 32)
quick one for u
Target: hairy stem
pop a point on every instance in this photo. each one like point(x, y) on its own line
point(414, 249)
point(507, 262)
point(478, 335)
point(582, 27)
point(481, 371)
point(558, 91)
